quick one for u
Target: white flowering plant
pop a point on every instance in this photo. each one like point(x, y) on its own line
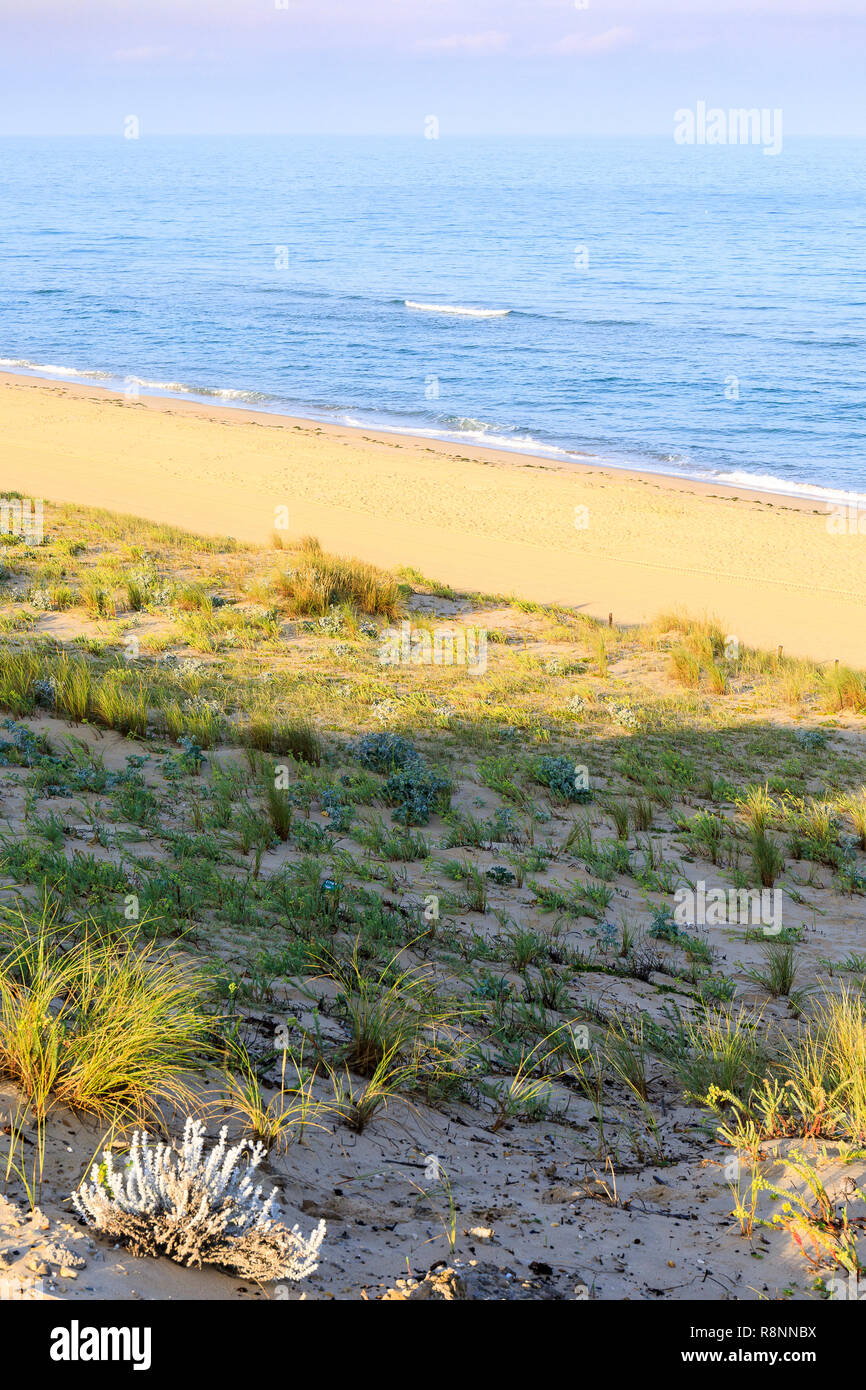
point(196, 1208)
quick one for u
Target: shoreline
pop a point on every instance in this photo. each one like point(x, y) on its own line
point(575, 460)
point(212, 399)
point(483, 519)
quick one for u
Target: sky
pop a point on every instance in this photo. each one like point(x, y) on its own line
point(498, 67)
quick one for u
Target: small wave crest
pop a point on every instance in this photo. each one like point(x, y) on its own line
point(457, 309)
point(770, 482)
point(174, 388)
point(182, 388)
point(24, 364)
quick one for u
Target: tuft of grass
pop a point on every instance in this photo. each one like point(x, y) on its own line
point(758, 808)
point(717, 678)
point(825, 1066)
point(279, 807)
point(121, 705)
point(192, 598)
point(723, 1049)
point(19, 671)
point(320, 581)
point(201, 723)
point(685, 668)
point(618, 812)
point(855, 805)
point(599, 651)
point(778, 974)
point(277, 734)
point(279, 1120)
point(707, 834)
point(475, 891)
point(73, 688)
point(98, 599)
point(136, 595)
point(844, 688)
point(111, 1028)
point(393, 1017)
point(767, 858)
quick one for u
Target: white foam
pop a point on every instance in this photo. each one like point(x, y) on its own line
point(457, 309)
point(181, 388)
point(524, 443)
point(47, 367)
point(158, 385)
point(768, 482)
point(482, 435)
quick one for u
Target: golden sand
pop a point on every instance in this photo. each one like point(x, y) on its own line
point(599, 539)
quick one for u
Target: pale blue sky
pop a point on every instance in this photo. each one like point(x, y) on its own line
point(369, 66)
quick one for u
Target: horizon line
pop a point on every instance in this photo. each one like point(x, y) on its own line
point(394, 135)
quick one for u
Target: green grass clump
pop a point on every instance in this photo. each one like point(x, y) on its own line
point(767, 858)
point(721, 1048)
point(111, 1028)
point(277, 734)
point(319, 581)
point(845, 689)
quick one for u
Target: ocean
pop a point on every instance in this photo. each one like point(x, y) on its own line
point(691, 310)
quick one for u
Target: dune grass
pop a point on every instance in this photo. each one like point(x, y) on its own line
point(106, 1027)
point(317, 582)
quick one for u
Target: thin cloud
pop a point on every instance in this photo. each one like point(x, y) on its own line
point(585, 45)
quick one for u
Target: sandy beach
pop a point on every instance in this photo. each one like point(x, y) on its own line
point(600, 539)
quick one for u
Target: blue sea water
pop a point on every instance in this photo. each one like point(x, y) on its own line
point(687, 309)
